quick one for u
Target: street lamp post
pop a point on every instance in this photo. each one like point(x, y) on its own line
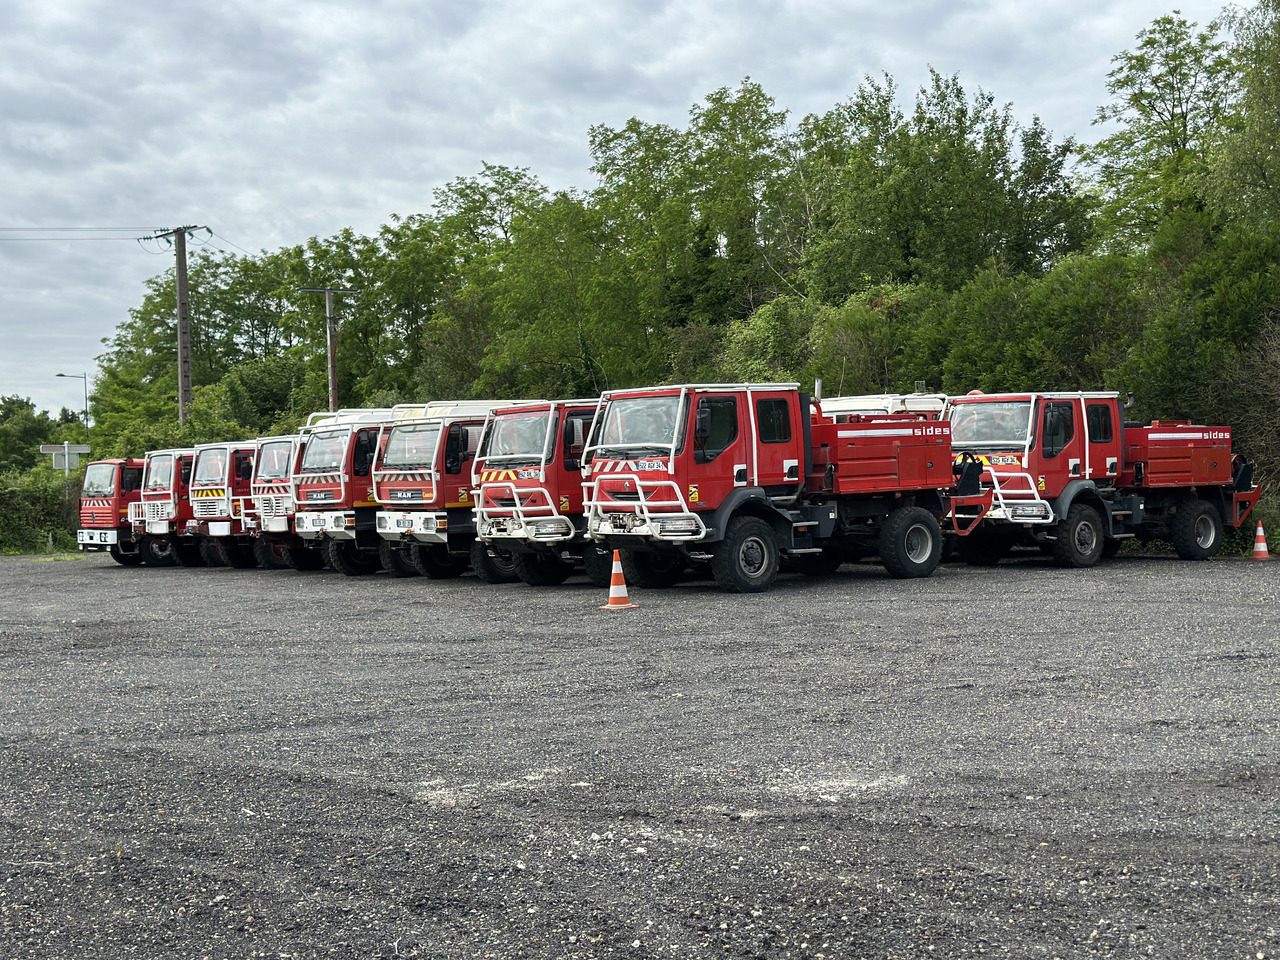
point(85, 378)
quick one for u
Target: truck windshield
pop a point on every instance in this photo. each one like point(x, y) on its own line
point(325, 451)
point(160, 473)
point(211, 467)
point(275, 460)
point(638, 425)
point(99, 480)
point(1001, 422)
point(519, 439)
point(412, 445)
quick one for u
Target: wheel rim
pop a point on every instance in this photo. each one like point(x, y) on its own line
point(918, 543)
point(161, 549)
point(1205, 533)
point(1086, 538)
point(752, 557)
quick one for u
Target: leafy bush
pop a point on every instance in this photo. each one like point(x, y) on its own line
point(38, 508)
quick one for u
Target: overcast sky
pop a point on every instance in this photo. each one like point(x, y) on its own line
point(273, 122)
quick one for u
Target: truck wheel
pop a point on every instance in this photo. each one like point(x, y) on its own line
point(540, 569)
point(599, 565)
point(122, 558)
point(238, 555)
point(302, 559)
point(347, 558)
point(1080, 538)
point(746, 561)
point(157, 553)
point(211, 552)
point(1196, 530)
point(910, 543)
point(269, 554)
point(398, 563)
point(188, 554)
point(435, 563)
point(650, 570)
point(499, 568)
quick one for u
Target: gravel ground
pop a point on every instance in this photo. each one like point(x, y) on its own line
point(1011, 762)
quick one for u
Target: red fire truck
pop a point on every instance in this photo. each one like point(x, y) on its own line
point(109, 487)
point(271, 521)
point(159, 518)
point(219, 494)
point(422, 484)
point(1065, 472)
point(742, 475)
point(527, 477)
point(333, 488)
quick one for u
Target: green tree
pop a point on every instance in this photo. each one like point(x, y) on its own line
point(931, 197)
point(22, 431)
point(1244, 182)
point(1171, 98)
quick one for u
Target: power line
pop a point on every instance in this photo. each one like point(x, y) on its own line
point(58, 239)
point(68, 229)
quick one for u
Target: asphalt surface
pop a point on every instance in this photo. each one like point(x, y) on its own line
point(1011, 762)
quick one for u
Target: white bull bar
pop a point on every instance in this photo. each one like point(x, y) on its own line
point(540, 524)
point(624, 518)
point(1016, 497)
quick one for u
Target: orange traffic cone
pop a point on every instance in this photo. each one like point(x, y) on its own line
point(618, 599)
point(1260, 545)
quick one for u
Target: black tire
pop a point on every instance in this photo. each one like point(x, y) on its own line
point(650, 571)
point(347, 558)
point(269, 554)
point(435, 562)
point(157, 552)
point(396, 562)
point(241, 556)
point(302, 559)
point(598, 563)
point(122, 558)
point(1196, 530)
point(211, 551)
point(540, 569)
point(1080, 538)
point(499, 568)
point(982, 548)
point(910, 543)
point(746, 561)
point(823, 564)
point(188, 552)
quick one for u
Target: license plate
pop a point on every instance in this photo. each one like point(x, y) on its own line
point(404, 524)
point(317, 521)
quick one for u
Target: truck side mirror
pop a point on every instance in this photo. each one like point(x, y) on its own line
point(702, 424)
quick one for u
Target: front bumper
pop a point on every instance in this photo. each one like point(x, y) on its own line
point(334, 524)
point(660, 527)
point(420, 525)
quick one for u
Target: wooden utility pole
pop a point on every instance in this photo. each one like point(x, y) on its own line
point(330, 336)
point(179, 237)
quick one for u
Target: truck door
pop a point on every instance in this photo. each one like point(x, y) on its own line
point(1103, 437)
point(721, 458)
point(1062, 445)
point(778, 442)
